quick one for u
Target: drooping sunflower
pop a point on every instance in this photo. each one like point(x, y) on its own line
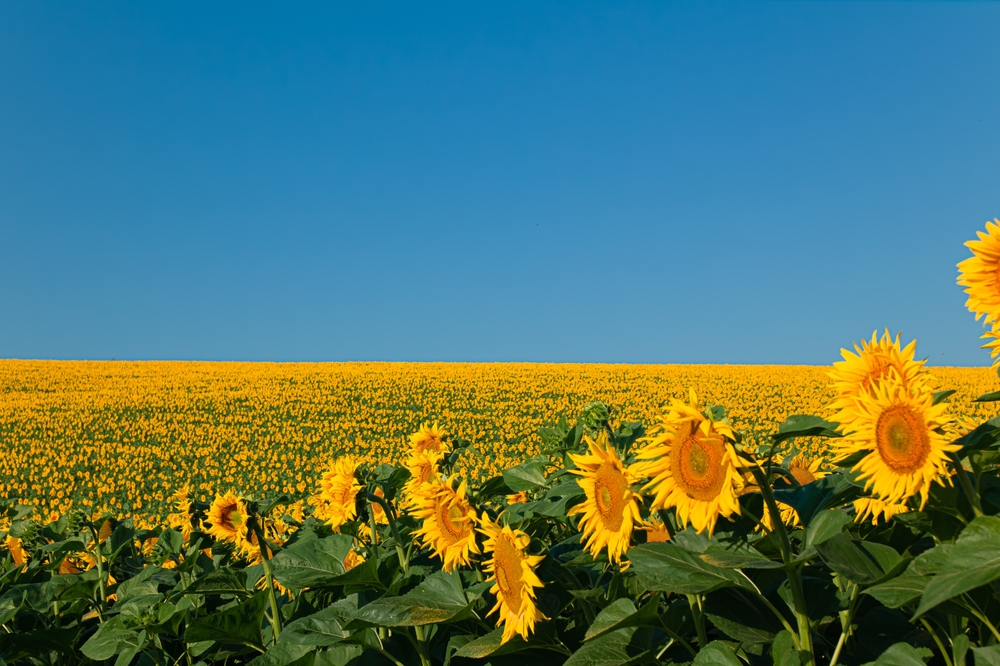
point(869, 507)
point(520, 497)
point(656, 531)
point(449, 522)
point(339, 489)
point(691, 466)
point(901, 430)
point(428, 438)
point(183, 519)
point(512, 571)
point(228, 519)
point(16, 549)
point(611, 510)
point(980, 274)
point(869, 364)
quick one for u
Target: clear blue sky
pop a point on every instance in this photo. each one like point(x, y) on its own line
point(645, 182)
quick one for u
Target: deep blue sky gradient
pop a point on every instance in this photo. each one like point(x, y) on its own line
point(639, 182)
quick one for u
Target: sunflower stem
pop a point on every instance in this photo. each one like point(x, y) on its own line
point(694, 601)
point(793, 571)
point(391, 517)
point(930, 630)
point(269, 580)
point(100, 569)
point(963, 479)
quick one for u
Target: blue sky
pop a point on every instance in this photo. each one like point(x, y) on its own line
point(519, 181)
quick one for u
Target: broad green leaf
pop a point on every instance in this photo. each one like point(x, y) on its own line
point(738, 557)
point(622, 614)
point(282, 654)
point(108, 640)
point(942, 396)
point(804, 425)
point(900, 654)
point(613, 649)
point(439, 598)
point(859, 563)
point(492, 488)
point(740, 615)
point(783, 650)
point(666, 567)
point(959, 648)
point(809, 500)
point(826, 524)
point(240, 624)
point(972, 561)
point(987, 656)
point(992, 396)
point(322, 628)
point(220, 581)
point(900, 590)
point(314, 563)
point(716, 653)
point(137, 586)
point(543, 638)
point(526, 476)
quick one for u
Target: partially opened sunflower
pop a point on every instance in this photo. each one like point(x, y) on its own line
point(448, 522)
point(512, 571)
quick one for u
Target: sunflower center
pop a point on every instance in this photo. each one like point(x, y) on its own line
point(232, 519)
point(507, 568)
point(609, 495)
point(697, 467)
point(902, 439)
point(452, 521)
point(802, 475)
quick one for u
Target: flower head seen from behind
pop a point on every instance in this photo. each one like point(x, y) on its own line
point(980, 274)
point(512, 571)
point(900, 430)
point(692, 466)
point(611, 510)
point(449, 522)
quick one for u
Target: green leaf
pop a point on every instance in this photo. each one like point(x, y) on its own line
point(826, 524)
point(109, 637)
point(492, 488)
point(858, 561)
point(220, 581)
point(439, 598)
point(993, 396)
point(526, 476)
point(282, 654)
point(622, 614)
point(666, 567)
point(313, 563)
point(987, 656)
point(783, 650)
point(803, 425)
point(613, 649)
point(942, 396)
point(322, 628)
point(240, 624)
point(831, 491)
point(737, 557)
point(716, 653)
point(741, 615)
point(972, 561)
point(900, 590)
point(900, 654)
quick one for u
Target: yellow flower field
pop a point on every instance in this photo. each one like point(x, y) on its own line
point(125, 435)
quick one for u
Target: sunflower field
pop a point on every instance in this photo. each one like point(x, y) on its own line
point(853, 518)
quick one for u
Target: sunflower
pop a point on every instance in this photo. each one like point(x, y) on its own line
point(520, 497)
point(656, 531)
point(980, 274)
point(449, 522)
point(691, 466)
point(902, 432)
point(805, 471)
point(876, 359)
point(871, 507)
point(183, 520)
point(512, 571)
point(228, 519)
point(377, 510)
point(353, 559)
point(16, 548)
point(611, 510)
point(992, 337)
point(339, 489)
point(428, 438)
point(423, 468)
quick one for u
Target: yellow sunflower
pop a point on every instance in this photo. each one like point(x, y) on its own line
point(691, 466)
point(339, 489)
point(611, 510)
point(16, 549)
point(901, 430)
point(870, 507)
point(512, 571)
point(380, 517)
point(992, 337)
point(980, 274)
point(656, 531)
point(805, 471)
point(875, 360)
point(520, 497)
point(423, 468)
point(353, 559)
point(449, 522)
point(182, 519)
point(228, 519)
point(428, 438)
